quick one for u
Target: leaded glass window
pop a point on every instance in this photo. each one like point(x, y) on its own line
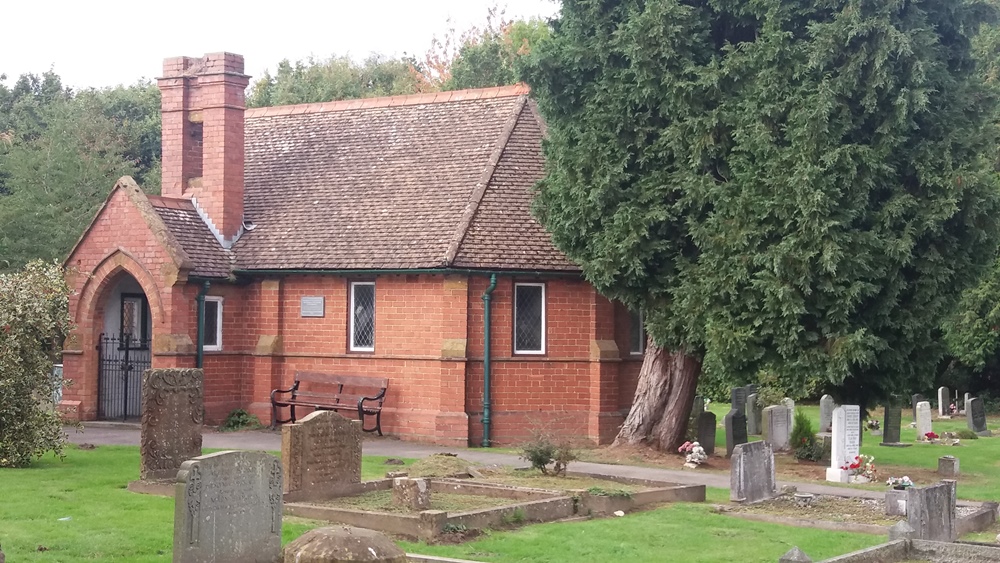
point(363, 316)
point(529, 318)
point(638, 333)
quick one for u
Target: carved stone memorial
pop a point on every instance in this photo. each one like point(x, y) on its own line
point(738, 399)
point(227, 508)
point(975, 414)
point(321, 455)
point(412, 493)
point(736, 430)
point(931, 511)
point(754, 415)
point(172, 416)
point(914, 400)
point(776, 428)
point(826, 406)
point(892, 426)
point(846, 442)
point(706, 431)
point(923, 420)
point(751, 473)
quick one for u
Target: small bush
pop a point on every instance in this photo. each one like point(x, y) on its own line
point(513, 518)
point(804, 438)
point(542, 451)
point(966, 434)
point(617, 493)
point(240, 419)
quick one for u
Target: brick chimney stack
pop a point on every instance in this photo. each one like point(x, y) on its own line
point(202, 105)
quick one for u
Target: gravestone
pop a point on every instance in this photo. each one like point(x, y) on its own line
point(697, 407)
point(777, 431)
point(320, 454)
point(751, 473)
point(975, 415)
point(751, 388)
point(914, 400)
point(930, 511)
point(846, 442)
point(891, 426)
point(706, 431)
point(965, 402)
point(923, 419)
point(753, 412)
point(790, 413)
point(413, 493)
point(738, 399)
point(826, 406)
point(895, 502)
point(227, 508)
point(948, 466)
point(944, 399)
point(736, 430)
point(172, 415)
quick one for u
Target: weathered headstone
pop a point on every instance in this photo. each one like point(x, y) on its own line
point(776, 424)
point(753, 412)
point(930, 511)
point(697, 407)
point(923, 419)
point(738, 399)
point(965, 402)
point(948, 466)
point(891, 427)
point(320, 454)
point(826, 406)
point(172, 415)
point(751, 474)
point(846, 442)
point(736, 430)
point(343, 544)
point(227, 508)
point(411, 492)
point(751, 388)
point(790, 413)
point(895, 502)
point(944, 399)
point(795, 555)
point(975, 415)
point(706, 431)
point(914, 400)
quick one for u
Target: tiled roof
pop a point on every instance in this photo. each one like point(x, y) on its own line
point(210, 259)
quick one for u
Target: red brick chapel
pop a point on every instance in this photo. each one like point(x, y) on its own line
point(356, 237)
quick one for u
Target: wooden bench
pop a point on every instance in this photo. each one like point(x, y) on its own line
point(325, 391)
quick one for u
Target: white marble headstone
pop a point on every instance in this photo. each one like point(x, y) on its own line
point(846, 441)
point(944, 398)
point(826, 406)
point(923, 419)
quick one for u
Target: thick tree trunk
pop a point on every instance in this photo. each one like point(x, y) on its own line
point(663, 399)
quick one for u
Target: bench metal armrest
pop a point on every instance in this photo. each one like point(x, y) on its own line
point(361, 401)
point(291, 389)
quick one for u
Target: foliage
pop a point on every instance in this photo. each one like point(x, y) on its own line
point(614, 493)
point(966, 434)
point(240, 419)
point(862, 466)
point(34, 319)
point(803, 438)
point(784, 187)
point(514, 517)
point(542, 450)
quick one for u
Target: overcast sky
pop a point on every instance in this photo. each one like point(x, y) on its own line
point(107, 42)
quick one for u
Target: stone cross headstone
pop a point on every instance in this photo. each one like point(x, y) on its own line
point(320, 454)
point(846, 442)
point(738, 399)
point(172, 415)
point(826, 406)
point(753, 412)
point(923, 419)
point(736, 430)
point(975, 415)
point(227, 507)
point(944, 398)
point(931, 511)
point(916, 398)
point(706, 431)
point(777, 431)
point(751, 473)
point(891, 425)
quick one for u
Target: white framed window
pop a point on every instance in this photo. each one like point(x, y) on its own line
point(362, 317)
point(637, 333)
point(213, 323)
point(529, 318)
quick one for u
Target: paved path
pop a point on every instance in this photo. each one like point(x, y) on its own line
point(105, 433)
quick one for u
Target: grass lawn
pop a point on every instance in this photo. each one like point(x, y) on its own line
point(79, 509)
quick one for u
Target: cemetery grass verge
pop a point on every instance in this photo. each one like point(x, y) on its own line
point(78, 509)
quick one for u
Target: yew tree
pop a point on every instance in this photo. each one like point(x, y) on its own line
point(800, 188)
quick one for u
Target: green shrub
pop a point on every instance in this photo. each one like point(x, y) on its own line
point(617, 493)
point(966, 434)
point(804, 438)
point(34, 320)
point(240, 419)
point(542, 451)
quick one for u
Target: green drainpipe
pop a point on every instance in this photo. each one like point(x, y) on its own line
point(487, 318)
point(201, 323)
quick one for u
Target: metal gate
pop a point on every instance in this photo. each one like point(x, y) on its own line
point(122, 363)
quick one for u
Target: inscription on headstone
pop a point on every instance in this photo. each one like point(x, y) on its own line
point(754, 415)
point(738, 399)
point(846, 442)
point(931, 511)
point(227, 508)
point(751, 474)
point(172, 411)
point(776, 425)
point(891, 425)
point(736, 430)
point(826, 406)
point(706, 431)
point(923, 419)
point(975, 414)
point(321, 454)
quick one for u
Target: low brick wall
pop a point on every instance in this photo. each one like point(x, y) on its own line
point(345, 490)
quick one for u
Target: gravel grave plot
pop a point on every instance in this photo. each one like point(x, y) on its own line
point(824, 507)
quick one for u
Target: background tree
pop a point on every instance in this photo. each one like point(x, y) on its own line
point(794, 188)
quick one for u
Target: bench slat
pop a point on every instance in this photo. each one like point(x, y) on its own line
point(348, 380)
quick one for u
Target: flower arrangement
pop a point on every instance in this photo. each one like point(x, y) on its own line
point(872, 424)
point(899, 483)
point(685, 448)
point(931, 436)
point(862, 468)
